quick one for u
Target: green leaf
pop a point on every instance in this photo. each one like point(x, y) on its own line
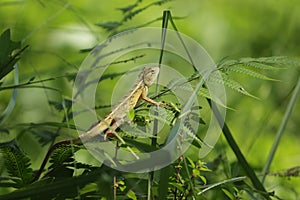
point(60, 106)
point(196, 172)
point(110, 25)
point(272, 63)
point(7, 185)
point(130, 114)
point(229, 82)
point(63, 154)
point(61, 189)
point(179, 125)
point(131, 195)
point(203, 179)
point(228, 194)
point(163, 183)
point(8, 56)
point(4, 130)
point(130, 12)
point(178, 186)
point(44, 136)
point(235, 179)
point(17, 163)
point(250, 66)
point(128, 8)
point(192, 164)
point(62, 160)
point(243, 70)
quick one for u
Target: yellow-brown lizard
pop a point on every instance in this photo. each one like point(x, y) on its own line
point(116, 117)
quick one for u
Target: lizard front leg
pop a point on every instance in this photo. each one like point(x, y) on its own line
point(147, 99)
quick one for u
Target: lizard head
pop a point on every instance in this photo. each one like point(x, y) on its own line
point(150, 74)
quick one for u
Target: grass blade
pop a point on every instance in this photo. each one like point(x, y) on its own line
point(222, 182)
point(235, 148)
point(280, 131)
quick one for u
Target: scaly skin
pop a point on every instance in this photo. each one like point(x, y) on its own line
point(116, 117)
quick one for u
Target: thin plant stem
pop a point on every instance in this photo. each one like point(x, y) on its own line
point(115, 177)
point(241, 178)
point(238, 153)
point(150, 184)
point(280, 131)
point(166, 15)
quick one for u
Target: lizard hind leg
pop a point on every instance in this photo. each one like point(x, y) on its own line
point(111, 131)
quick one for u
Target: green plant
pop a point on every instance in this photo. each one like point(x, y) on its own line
point(188, 177)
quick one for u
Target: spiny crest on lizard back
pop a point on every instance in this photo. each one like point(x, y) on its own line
point(150, 74)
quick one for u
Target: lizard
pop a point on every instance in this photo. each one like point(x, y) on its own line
point(116, 117)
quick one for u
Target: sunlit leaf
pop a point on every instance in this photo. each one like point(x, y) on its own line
point(131, 195)
point(8, 56)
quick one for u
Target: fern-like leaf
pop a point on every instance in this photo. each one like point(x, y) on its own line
point(128, 8)
point(230, 83)
point(17, 163)
point(250, 67)
point(188, 129)
point(263, 63)
point(277, 61)
point(240, 68)
point(44, 136)
point(63, 154)
point(132, 14)
point(109, 26)
point(291, 172)
point(60, 106)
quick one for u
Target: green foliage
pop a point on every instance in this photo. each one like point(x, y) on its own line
point(62, 162)
point(60, 106)
point(253, 66)
point(129, 12)
point(187, 179)
point(62, 154)
point(292, 172)
point(70, 177)
point(44, 136)
point(17, 164)
point(8, 54)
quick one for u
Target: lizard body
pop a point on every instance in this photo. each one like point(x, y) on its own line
point(116, 117)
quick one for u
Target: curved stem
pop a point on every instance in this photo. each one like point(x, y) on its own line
point(49, 153)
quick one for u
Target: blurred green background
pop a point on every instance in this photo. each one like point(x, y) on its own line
point(57, 30)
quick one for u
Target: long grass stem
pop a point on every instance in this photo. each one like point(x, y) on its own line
point(280, 131)
point(238, 153)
